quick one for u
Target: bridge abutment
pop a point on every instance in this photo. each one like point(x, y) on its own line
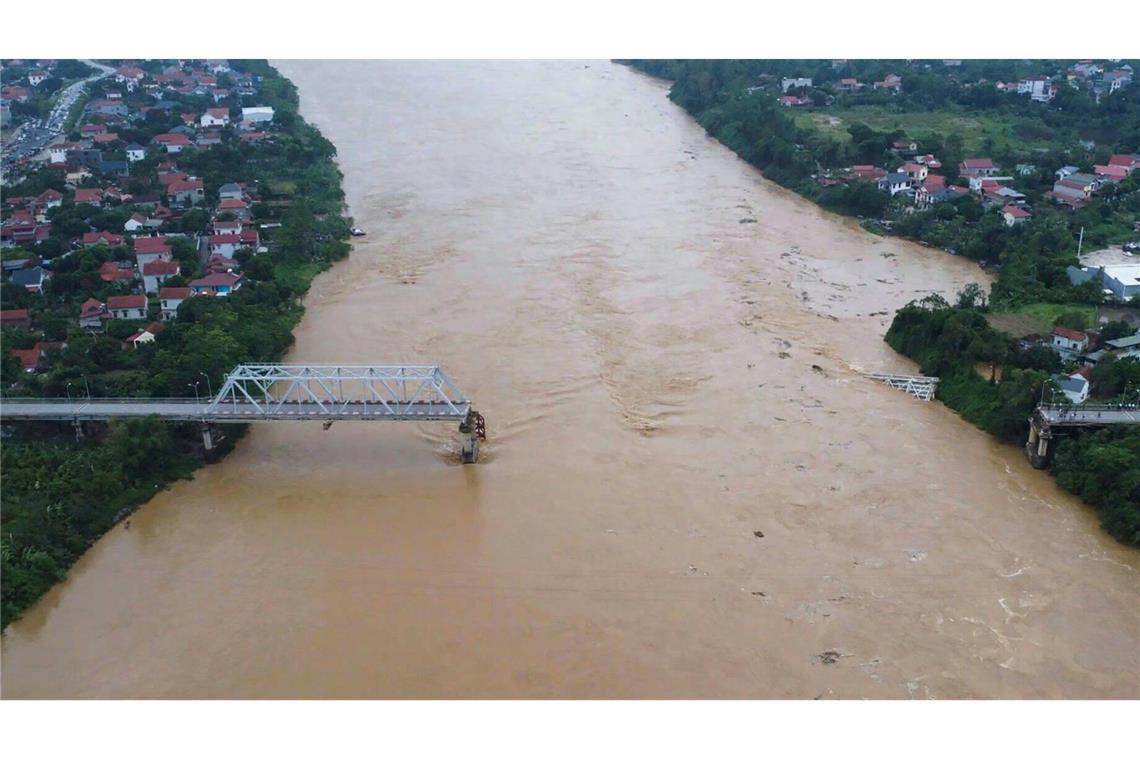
point(1037, 447)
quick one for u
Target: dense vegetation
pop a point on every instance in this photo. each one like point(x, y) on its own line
point(736, 102)
point(60, 495)
point(949, 341)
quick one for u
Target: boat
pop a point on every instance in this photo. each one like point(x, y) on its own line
point(357, 232)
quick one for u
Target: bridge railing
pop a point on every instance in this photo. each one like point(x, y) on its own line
point(80, 400)
point(1086, 407)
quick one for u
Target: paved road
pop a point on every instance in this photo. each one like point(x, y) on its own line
point(34, 136)
point(1094, 416)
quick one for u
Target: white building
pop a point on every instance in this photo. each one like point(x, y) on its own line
point(265, 113)
point(788, 83)
point(1037, 88)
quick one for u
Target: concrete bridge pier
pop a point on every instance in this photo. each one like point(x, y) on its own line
point(211, 437)
point(475, 428)
point(1037, 447)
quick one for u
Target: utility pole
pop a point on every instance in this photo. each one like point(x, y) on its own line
point(1080, 243)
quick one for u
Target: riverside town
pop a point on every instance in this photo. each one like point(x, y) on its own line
point(607, 360)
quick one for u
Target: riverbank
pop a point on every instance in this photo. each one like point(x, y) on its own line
point(759, 133)
point(566, 244)
point(55, 508)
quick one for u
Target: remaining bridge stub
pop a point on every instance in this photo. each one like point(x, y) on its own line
point(276, 392)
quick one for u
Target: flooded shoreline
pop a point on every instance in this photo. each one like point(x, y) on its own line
point(661, 383)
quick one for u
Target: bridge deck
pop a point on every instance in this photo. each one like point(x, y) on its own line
point(204, 411)
point(1084, 416)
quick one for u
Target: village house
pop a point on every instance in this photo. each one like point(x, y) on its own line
point(1129, 162)
point(135, 152)
point(172, 142)
point(16, 93)
point(977, 167)
point(787, 83)
point(889, 82)
point(793, 101)
point(1040, 89)
point(931, 186)
point(101, 238)
point(45, 200)
point(895, 183)
point(35, 359)
point(93, 314)
point(150, 249)
point(848, 84)
point(32, 278)
point(109, 107)
point(221, 284)
point(230, 191)
point(240, 209)
point(135, 223)
point(227, 227)
point(215, 117)
point(915, 172)
point(15, 318)
point(154, 273)
point(116, 271)
point(89, 195)
point(1118, 349)
point(35, 78)
point(1069, 343)
point(127, 307)
point(868, 172)
point(1074, 386)
point(1111, 173)
point(1015, 215)
point(226, 245)
point(143, 336)
point(264, 114)
point(57, 154)
point(186, 192)
point(170, 299)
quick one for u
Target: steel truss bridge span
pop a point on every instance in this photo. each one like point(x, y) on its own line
point(289, 392)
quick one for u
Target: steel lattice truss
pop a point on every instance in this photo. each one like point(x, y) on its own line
point(326, 391)
point(918, 386)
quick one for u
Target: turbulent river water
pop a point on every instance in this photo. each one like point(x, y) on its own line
point(668, 351)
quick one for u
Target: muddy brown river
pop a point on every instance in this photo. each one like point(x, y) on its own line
point(668, 351)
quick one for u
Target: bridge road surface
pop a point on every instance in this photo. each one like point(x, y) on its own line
point(198, 411)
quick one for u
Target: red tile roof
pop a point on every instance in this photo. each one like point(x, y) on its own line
point(978, 163)
point(173, 294)
point(94, 238)
point(1017, 212)
point(88, 195)
point(151, 245)
point(92, 307)
point(153, 268)
point(220, 279)
point(172, 138)
point(126, 302)
point(184, 185)
point(13, 315)
point(111, 271)
point(29, 357)
point(1065, 332)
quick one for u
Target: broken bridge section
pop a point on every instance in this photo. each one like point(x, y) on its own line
point(919, 386)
